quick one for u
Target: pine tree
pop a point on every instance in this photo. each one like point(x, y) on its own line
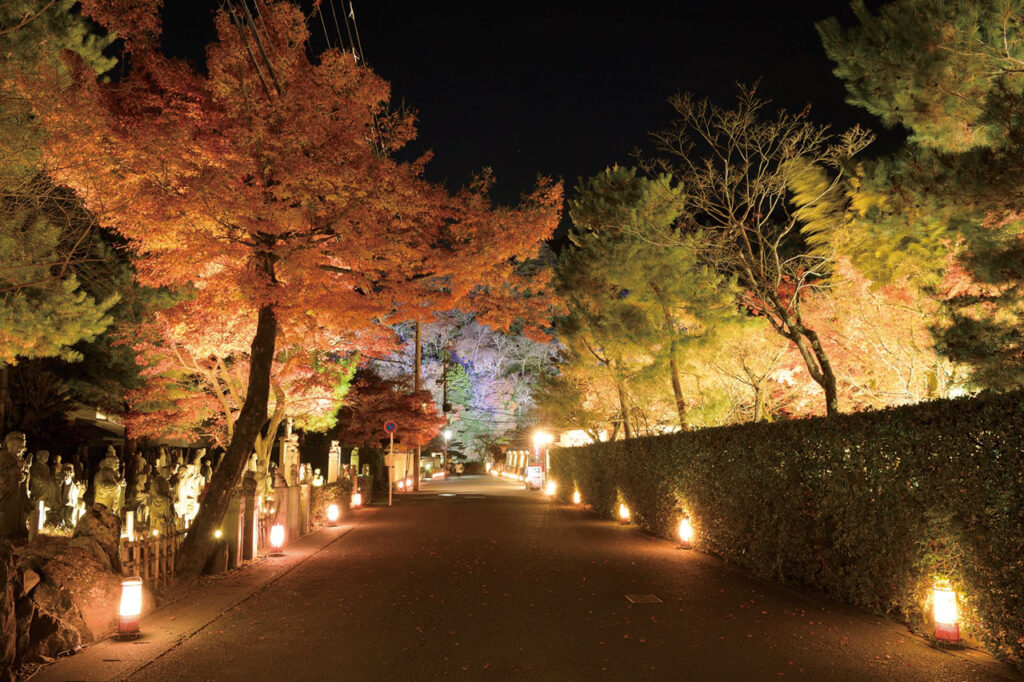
point(45, 234)
point(950, 73)
point(625, 224)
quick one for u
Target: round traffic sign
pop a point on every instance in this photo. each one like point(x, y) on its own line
point(390, 427)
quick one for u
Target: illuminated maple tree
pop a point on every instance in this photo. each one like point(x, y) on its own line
point(270, 175)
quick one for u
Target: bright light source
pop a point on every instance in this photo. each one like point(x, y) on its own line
point(623, 513)
point(542, 438)
point(447, 434)
point(276, 538)
point(130, 609)
point(686, 532)
point(488, 467)
point(218, 533)
point(550, 489)
point(156, 532)
point(401, 485)
point(947, 617)
point(576, 497)
point(357, 499)
point(333, 513)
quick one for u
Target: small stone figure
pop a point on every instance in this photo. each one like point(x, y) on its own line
point(13, 495)
point(305, 472)
point(206, 470)
point(108, 487)
point(279, 480)
point(318, 479)
point(57, 468)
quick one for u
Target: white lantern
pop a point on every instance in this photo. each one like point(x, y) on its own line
point(550, 489)
point(130, 609)
point(623, 513)
point(276, 539)
point(576, 497)
point(357, 499)
point(947, 616)
point(686, 533)
point(332, 513)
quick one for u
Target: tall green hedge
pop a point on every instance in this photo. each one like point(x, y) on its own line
point(869, 507)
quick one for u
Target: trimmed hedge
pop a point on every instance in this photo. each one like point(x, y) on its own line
point(869, 507)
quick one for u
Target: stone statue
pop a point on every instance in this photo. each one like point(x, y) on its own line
point(70, 494)
point(305, 473)
point(57, 468)
point(318, 478)
point(161, 506)
point(279, 480)
point(108, 487)
point(293, 474)
point(186, 504)
point(41, 487)
point(13, 495)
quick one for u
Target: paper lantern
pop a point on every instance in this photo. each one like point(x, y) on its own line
point(947, 616)
point(576, 497)
point(130, 609)
point(276, 539)
point(333, 513)
point(550, 489)
point(623, 513)
point(357, 499)
point(686, 533)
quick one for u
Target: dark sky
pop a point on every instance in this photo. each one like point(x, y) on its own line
point(543, 87)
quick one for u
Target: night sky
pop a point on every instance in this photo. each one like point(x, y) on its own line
point(529, 88)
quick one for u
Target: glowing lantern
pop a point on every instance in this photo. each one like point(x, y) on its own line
point(623, 513)
point(357, 499)
point(576, 497)
point(401, 485)
point(550, 489)
point(156, 532)
point(218, 533)
point(276, 539)
point(686, 533)
point(333, 513)
point(131, 607)
point(947, 618)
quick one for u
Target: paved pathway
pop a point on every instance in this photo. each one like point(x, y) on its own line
point(494, 583)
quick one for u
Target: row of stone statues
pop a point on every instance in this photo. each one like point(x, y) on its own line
point(162, 491)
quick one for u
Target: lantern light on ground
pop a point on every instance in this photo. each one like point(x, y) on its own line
point(276, 539)
point(357, 499)
point(576, 497)
point(333, 513)
point(947, 617)
point(685, 533)
point(623, 513)
point(550, 489)
point(130, 610)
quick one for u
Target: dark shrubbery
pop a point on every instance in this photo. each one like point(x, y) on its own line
point(869, 507)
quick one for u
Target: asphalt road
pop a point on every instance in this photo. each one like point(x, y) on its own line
point(497, 583)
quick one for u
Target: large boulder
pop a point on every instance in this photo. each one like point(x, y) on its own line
point(105, 528)
point(70, 601)
point(8, 622)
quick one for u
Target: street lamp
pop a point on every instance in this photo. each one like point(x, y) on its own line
point(447, 433)
point(543, 439)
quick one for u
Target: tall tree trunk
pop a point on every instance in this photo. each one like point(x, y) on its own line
point(623, 409)
point(677, 387)
point(4, 398)
point(828, 377)
point(200, 543)
point(417, 385)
